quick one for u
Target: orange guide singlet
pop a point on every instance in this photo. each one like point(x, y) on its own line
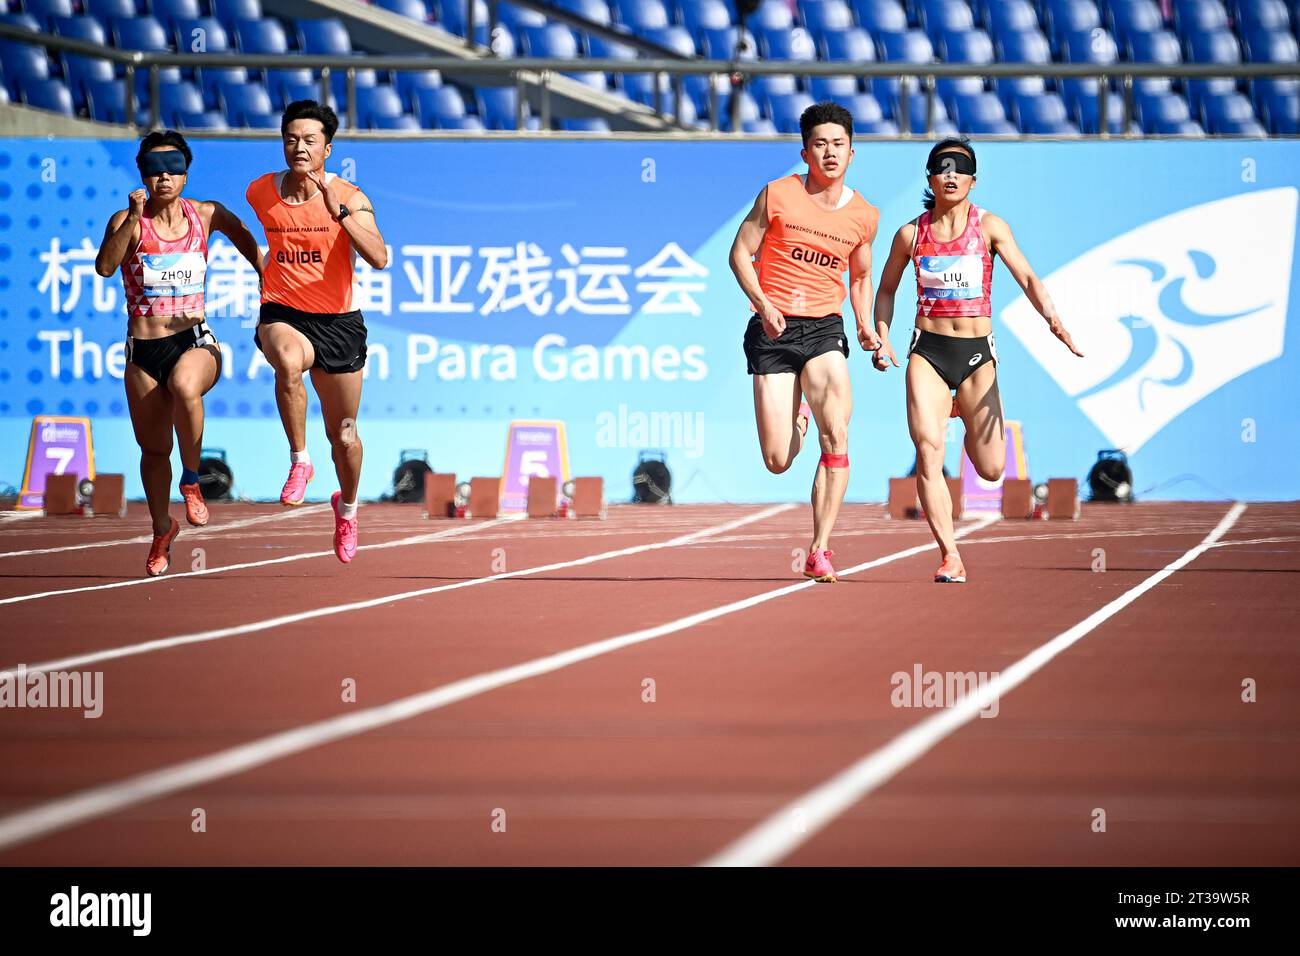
point(806, 248)
point(309, 265)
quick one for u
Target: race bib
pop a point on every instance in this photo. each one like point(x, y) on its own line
point(952, 277)
point(173, 274)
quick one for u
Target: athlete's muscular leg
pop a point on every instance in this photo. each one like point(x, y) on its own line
point(151, 417)
point(776, 404)
point(826, 383)
point(290, 353)
point(340, 397)
point(193, 375)
point(929, 402)
point(980, 405)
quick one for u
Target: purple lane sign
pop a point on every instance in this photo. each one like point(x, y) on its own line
point(58, 446)
point(532, 448)
point(981, 495)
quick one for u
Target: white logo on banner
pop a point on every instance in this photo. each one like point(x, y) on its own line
point(1169, 312)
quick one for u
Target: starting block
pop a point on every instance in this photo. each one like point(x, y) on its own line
point(484, 497)
point(1063, 498)
point(1017, 498)
point(439, 495)
point(543, 495)
point(61, 495)
point(108, 500)
point(903, 500)
point(589, 497)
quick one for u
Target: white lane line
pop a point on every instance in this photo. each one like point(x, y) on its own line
point(283, 559)
point(205, 533)
point(77, 808)
point(19, 515)
point(798, 821)
point(132, 650)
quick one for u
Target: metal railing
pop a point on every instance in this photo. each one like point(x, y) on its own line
point(924, 75)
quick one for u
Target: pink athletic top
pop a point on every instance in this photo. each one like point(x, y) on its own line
point(952, 278)
point(166, 276)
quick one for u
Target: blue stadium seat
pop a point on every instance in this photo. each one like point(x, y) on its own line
point(1028, 47)
point(1161, 113)
point(863, 107)
point(290, 91)
point(327, 37)
point(169, 11)
point(401, 121)
point(771, 15)
point(497, 105)
point(603, 49)
point(590, 124)
point(982, 114)
point(174, 98)
point(1096, 46)
point(454, 17)
point(1158, 47)
point(705, 15)
point(946, 16)
point(106, 10)
point(260, 36)
point(1044, 114)
point(910, 47)
point(201, 120)
point(640, 87)
point(916, 108)
point(758, 127)
point(721, 44)
point(439, 106)
point(833, 87)
point(516, 18)
point(277, 80)
point(1262, 15)
point(362, 79)
point(1199, 16)
point(552, 40)
point(1010, 88)
point(140, 33)
point(1066, 17)
point(642, 14)
point(408, 81)
point(81, 28)
point(1011, 16)
point(208, 30)
point(1231, 115)
point(1278, 101)
point(23, 21)
point(787, 109)
point(240, 100)
point(47, 94)
point(854, 46)
point(411, 9)
point(264, 121)
point(881, 16)
point(1218, 46)
point(765, 89)
point(821, 16)
point(106, 100)
point(80, 70)
point(1271, 46)
point(1083, 101)
point(677, 39)
point(21, 64)
point(796, 44)
point(46, 10)
point(749, 111)
point(374, 102)
point(1129, 17)
point(229, 11)
point(594, 10)
point(969, 46)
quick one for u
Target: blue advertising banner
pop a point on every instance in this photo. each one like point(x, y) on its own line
point(588, 282)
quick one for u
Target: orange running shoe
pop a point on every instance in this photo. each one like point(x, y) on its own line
point(295, 486)
point(196, 509)
point(951, 571)
point(818, 567)
point(160, 552)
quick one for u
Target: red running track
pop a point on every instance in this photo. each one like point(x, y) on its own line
point(223, 691)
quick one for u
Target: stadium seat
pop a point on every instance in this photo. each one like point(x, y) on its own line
point(408, 81)
point(377, 101)
point(853, 45)
point(1129, 17)
point(1279, 105)
point(260, 36)
point(23, 21)
point(1066, 17)
point(863, 107)
point(1161, 113)
point(106, 10)
point(1044, 114)
point(916, 110)
point(80, 70)
point(202, 120)
point(771, 15)
point(239, 100)
point(795, 44)
point(81, 28)
point(787, 109)
point(765, 88)
point(45, 11)
point(704, 15)
point(277, 80)
point(517, 18)
point(229, 11)
point(881, 16)
point(292, 90)
point(1262, 15)
point(362, 79)
point(1096, 46)
point(1011, 16)
point(1028, 47)
point(1198, 90)
point(20, 64)
point(411, 9)
point(1083, 100)
point(552, 40)
point(1271, 46)
point(1230, 115)
point(208, 30)
point(758, 127)
point(910, 47)
point(180, 97)
point(642, 14)
point(721, 44)
point(169, 11)
point(439, 106)
point(946, 16)
point(1010, 88)
point(677, 39)
point(1199, 16)
point(982, 114)
point(1218, 46)
point(969, 46)
point(454, 17)
point(591, 124)
point(821, 16)
point(832, 87)
point(106, 100)
point(47, 94)
point(749, 111)
point(326, 37)
point(496, 106)
point(140, 33)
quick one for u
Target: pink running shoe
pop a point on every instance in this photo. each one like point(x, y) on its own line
point(160, 552)
point(818, 567)
point(951, 571)
point(295, 487)
point(196, 509)
point(345, 531)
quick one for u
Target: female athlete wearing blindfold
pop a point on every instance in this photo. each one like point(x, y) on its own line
point(951, 246)
point(160, 242)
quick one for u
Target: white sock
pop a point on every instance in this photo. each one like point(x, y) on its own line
point(300, 456)
point(348, 511)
